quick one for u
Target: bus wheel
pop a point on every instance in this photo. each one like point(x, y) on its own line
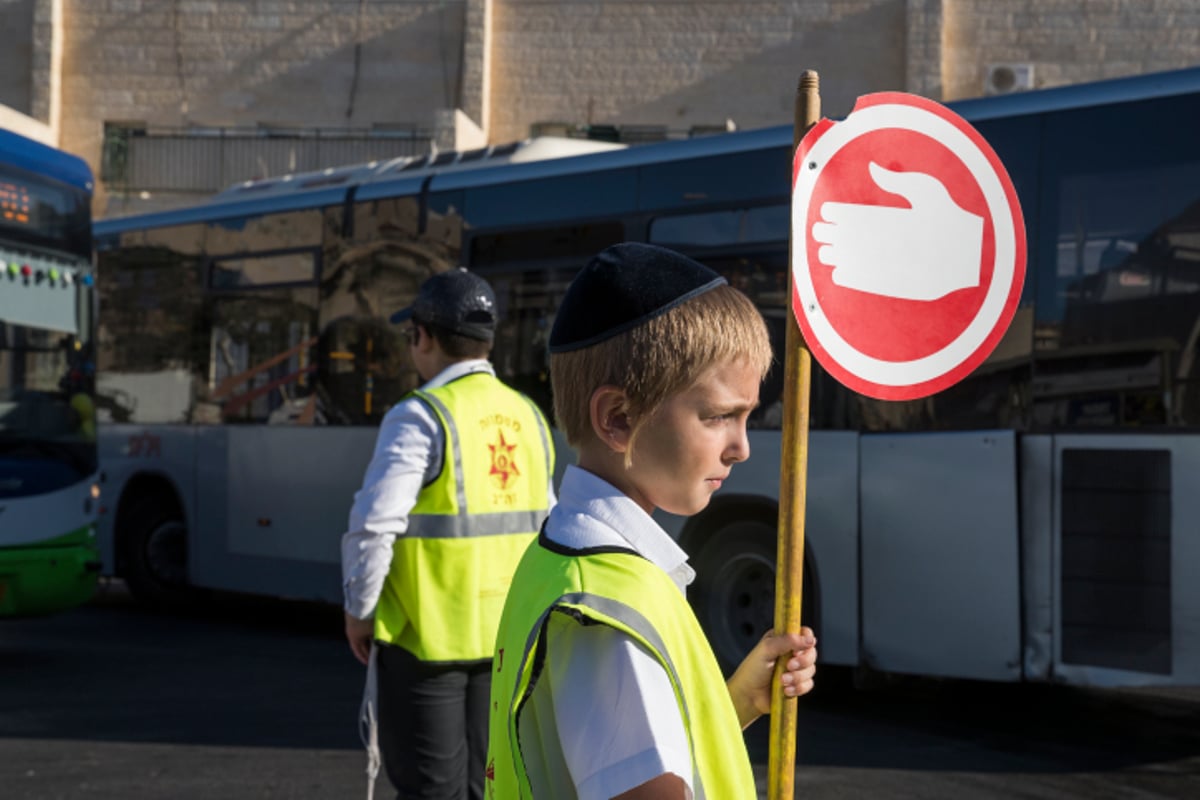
point(155, 554)
point(734, 592)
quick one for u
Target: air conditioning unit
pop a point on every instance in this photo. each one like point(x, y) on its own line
point(1007, 78)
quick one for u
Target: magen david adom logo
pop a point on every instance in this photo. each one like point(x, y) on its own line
point(504, 471)
point(908, 246)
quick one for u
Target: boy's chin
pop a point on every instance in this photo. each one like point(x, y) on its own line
point(689, 507)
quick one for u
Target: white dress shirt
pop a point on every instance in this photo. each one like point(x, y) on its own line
point(603, 718)
point(408, 455)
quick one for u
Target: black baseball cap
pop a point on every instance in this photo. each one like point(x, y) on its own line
point(457, 301)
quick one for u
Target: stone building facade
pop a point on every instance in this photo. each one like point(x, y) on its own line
point(471, 72)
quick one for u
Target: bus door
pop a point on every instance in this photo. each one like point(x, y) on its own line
point(1126, 548)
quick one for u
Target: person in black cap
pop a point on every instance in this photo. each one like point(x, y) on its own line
point(458, 486)
point(604, 685)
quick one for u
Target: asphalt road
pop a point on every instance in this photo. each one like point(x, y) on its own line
point(255, 699)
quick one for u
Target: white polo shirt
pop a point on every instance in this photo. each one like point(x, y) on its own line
point(603, 717)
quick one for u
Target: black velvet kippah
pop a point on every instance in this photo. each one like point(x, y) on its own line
point(622, 287)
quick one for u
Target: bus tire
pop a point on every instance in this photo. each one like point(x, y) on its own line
point(734, 592)
point(154, 555)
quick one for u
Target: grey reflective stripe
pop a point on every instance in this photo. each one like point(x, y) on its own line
point(636, 622)
point(537, 414)
point(451, 436)
point(458, 526)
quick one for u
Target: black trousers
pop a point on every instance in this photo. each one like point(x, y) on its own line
point(433, 724)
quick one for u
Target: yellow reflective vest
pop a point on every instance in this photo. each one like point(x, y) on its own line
point(452, 568)
point(627, 592)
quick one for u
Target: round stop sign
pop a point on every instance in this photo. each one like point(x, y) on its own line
point(908, 246)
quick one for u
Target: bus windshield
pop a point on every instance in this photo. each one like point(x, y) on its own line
point(45, 213)
point(47, 417)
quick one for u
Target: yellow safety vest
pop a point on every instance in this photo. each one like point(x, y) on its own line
point(622, 590)
point(452, 568)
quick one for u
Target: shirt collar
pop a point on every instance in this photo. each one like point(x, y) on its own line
point(598, 513)
point(459, 369)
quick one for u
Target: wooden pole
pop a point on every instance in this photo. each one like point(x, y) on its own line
point(793, 484)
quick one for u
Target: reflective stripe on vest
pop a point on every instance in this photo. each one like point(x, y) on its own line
point(470, 525)
point(442, 526)
point(662, 622)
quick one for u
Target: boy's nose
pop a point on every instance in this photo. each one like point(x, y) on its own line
point(739, 448)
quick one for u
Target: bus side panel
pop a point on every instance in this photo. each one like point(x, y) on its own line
point(831, 524)
point(1037, 554)
point(1127, 555)
point(129, 451)
point(940, 584)
point(278, 527)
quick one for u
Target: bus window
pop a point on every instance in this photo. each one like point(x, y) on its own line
point(603, 194)
point(1117, 314)
point(152, 364)
point(752, 176)
point(526, 303)
point(262, 356)
point(725, 227)
point(264, 270)
point(287, 230)
point(363, 364)
point(394, 218)
point(363, 369)
point(444, 224)
point(568, 246)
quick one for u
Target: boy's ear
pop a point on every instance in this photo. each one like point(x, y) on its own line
point(610, 420)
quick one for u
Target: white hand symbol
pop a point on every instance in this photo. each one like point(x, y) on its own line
point(924, 252)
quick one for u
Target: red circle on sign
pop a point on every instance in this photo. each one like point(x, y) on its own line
point(889, 328)
point(880, 343)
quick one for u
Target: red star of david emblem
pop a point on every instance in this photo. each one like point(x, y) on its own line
point(504, 468)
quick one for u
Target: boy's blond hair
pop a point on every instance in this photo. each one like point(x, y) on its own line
point(657, 359)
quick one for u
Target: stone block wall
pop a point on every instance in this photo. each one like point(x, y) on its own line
point(683, 63)
point(1066, 41)
point(16, 57)
point(303, 63)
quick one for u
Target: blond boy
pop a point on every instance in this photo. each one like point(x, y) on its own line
point(603, 684)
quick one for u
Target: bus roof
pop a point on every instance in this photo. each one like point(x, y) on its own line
point(501, 163)
point(329, 186)
point(1062, 98)
point(541, 148)
point(25, 153)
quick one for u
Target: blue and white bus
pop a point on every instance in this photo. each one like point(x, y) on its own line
point(1039, 521)
point(49, 491)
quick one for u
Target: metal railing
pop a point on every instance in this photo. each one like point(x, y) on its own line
point(153, 159)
